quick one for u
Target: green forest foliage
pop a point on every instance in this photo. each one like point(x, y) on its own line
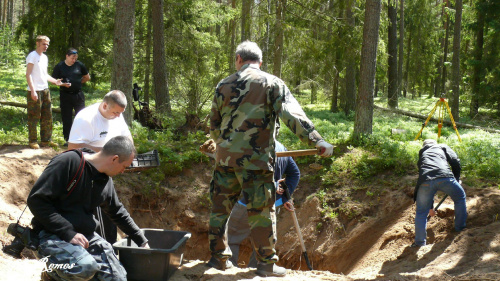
point(200, 37)
point(200, 41)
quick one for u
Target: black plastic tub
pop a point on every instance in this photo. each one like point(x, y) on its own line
point(157, 263)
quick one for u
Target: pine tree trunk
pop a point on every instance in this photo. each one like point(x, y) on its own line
point(350, 76)
point(160, 72)
point(76, 26)
point(278, 43)
point(123, 52)
point(407, 68)
point(445, 51)
point(246, 19)
point(477, 75)
point(401, 46)
point(392, 56)
point(10, 17)
point(456, 61)
point(364, 104)
point(4, 17)
point(338, 54)
point(147, 59)
point(267, 36)
point(233, 39)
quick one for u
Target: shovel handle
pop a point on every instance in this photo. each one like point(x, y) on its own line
point(297, 227)
point(439, 204)
point(294, 153)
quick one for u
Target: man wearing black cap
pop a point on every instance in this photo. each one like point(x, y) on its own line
point(73, 74)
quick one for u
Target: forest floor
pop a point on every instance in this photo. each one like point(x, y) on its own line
point(374, 248)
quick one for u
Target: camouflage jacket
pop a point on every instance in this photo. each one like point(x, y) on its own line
point(244, 119)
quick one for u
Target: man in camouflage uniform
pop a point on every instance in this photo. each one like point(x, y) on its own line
point(62, 201)
point(244, 122)
point(38, 99)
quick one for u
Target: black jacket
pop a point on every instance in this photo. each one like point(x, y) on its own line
point(434, 161)
point(63, 213)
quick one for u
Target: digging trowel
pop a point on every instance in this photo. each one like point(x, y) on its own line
point(441, 202)
point(297, 227)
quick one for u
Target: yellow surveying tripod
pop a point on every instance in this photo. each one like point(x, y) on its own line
point(441, 104)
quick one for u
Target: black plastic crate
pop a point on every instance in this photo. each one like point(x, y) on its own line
point(145, 160)
point(157, 263)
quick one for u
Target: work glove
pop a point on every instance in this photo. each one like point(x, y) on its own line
point(326, 149)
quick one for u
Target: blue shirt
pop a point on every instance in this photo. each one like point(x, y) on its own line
point(284, 167)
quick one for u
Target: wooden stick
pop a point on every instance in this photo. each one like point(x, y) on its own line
point(294, 153)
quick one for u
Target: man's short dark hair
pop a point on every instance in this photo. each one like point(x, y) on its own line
point(116, 97)
point(72, 51)
point(121, 146)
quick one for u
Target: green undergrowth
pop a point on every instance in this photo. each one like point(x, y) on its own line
point(486, 117)
point(381, 153)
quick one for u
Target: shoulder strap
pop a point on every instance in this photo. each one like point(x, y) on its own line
point(78, 175)
point(72, 183)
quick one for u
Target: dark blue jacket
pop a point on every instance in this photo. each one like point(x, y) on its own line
point(436, 161)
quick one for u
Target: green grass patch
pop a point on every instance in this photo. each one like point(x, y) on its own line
point(373, 155)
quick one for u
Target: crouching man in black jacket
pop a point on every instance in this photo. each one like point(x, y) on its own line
point(438, 170)
point(62, 201)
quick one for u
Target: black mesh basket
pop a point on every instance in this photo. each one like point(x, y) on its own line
point(145, 161)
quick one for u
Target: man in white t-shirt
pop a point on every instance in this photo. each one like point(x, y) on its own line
point(92, 128)
point(38, 99)
point(96, 124)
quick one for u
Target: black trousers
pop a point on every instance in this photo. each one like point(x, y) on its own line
point(69, 102)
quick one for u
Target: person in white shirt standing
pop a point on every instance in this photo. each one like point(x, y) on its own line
point(38, 99)
point(92, 128)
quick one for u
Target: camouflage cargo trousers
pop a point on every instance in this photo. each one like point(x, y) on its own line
point(65, 261)
point(257, 187)
point(238, 230)
point(40, 111)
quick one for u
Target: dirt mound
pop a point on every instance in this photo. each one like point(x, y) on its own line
point(372, 248)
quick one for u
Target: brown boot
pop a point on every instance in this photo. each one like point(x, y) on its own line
point(34, 145)
point(219, 264)
point(49, 143)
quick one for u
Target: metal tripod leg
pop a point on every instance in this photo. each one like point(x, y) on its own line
point(441, 104)
point(427, 120)
point(453, 121)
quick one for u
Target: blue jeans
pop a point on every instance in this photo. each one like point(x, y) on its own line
point(425, 202)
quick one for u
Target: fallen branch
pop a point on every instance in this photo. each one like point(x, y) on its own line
point(424, 117)
point(23, 105)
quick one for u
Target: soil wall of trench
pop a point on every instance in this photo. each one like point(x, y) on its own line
point(371, 241)
point(372, 245)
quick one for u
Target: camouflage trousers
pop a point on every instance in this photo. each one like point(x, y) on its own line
point(40, 111)
point(66, 261)
point(257, 187)
point(238, 230)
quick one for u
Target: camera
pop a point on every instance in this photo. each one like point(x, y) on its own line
point(23, 237)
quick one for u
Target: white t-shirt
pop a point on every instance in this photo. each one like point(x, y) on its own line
point(39, 72)
point(90, 127)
